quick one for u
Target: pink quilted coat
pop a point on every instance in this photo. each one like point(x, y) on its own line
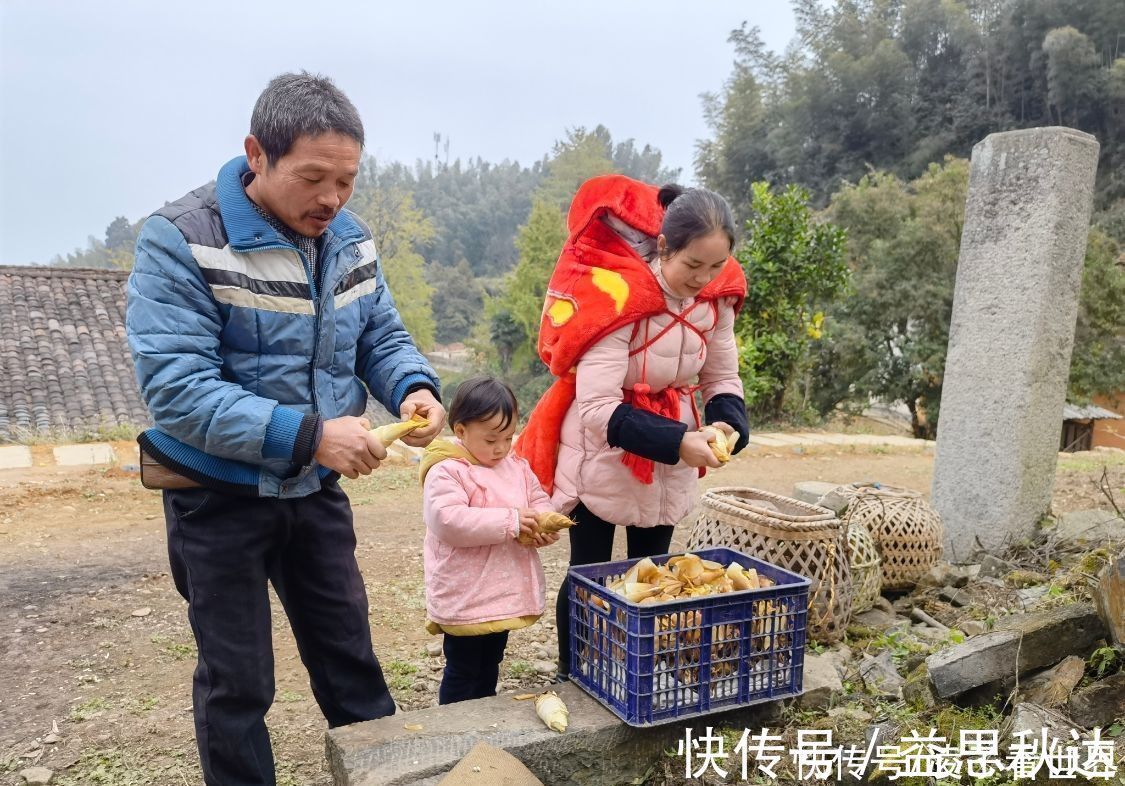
point(588, 468)
point(475, 569)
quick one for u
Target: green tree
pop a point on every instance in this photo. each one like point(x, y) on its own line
point(539, 242)
point(1098, 362)
point(794, 265)
point(582, 155)
point(903, 245)
point(397, 226)
point(458, 302)
point(1075, 80)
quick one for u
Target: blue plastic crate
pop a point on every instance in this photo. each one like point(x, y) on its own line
point(662, 662)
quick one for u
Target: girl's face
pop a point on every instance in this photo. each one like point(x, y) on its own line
point(694, 266)
point(486, 440)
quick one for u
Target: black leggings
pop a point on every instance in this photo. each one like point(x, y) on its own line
point(472, 666)
point(591, 540)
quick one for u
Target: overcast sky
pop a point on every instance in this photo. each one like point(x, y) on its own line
point(114, 107)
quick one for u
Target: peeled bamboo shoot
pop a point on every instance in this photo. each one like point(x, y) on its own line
point(392, 431)
point(551, 710)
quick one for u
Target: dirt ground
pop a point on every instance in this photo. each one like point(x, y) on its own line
point(97, 654)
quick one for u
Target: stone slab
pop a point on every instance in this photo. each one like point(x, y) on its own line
point(15, 457)
point(1018, 644)
point(87, 454)
point(1027, 218)
point(596, 747)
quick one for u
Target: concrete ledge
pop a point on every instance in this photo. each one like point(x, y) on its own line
point(15, 457)
point(87, 454)
point(596, 748)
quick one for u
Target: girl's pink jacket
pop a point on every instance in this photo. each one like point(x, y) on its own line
point(476, 571)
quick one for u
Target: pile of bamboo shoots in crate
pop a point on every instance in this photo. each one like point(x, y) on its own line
point(679, 635)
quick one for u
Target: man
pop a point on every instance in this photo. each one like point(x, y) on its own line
point(259, 320)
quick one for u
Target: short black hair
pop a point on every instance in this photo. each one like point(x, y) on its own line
point(483, 397)
point(304, 104)
point(691, 213)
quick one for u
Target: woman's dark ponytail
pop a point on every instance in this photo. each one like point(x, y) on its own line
point(668, 192)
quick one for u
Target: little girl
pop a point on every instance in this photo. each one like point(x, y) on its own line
point(478, 498)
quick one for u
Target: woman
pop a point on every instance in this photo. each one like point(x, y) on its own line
point(639, 315)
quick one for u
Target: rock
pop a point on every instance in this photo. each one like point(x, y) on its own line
point(1109, 597)
point(1030, 597)
point(821, 681)
point(1017, 644)
point(1035, 720)
point(486, 764)
point(1089, 527)
point(884, 604)
point(880, 677)
point(144, 611)
point(954, 596)
point(917, 691)
point(943, 574)
point(853, 713)
point(811, 491)
point(972, 627)
point(1052, 687)
point(433, 649)
point(37, 776)
point(926, 633)
point(1100, 704)
point(544, 667)
point(994, 568)
point(839, 655)
point(875, 618)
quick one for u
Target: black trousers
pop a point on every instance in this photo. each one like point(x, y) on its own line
point(591, 540)
point(472, 666)
point(223, 550)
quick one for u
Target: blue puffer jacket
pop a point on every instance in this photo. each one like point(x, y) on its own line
point(240, 351)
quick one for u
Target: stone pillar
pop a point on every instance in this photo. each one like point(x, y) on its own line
point(1011, 334)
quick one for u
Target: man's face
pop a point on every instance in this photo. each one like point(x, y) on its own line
point(307, 186)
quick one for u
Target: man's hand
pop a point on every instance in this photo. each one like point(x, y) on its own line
point(422, 402)
point(348, 448)
point(695, 449)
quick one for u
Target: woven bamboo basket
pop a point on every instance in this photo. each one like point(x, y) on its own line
point(791, 534)
point(906, 529)
point(866, 567)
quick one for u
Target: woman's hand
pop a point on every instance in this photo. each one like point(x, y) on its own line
point(695, 450)
point(723, 427)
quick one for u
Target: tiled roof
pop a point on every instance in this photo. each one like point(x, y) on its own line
point(1089, 412)
point(64, 360)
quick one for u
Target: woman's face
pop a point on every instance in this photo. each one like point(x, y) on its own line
point(694, 266)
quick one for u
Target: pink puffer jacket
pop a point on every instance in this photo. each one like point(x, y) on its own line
point(476, 571)
point(588, 468)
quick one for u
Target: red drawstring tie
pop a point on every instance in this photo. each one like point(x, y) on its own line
point(665, 403)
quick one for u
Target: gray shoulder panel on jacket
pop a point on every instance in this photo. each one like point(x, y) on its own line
point(197, 216)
